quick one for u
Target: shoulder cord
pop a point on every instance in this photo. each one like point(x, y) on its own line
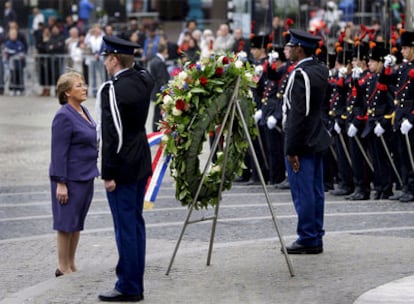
point(288, 91)
point(116, 117)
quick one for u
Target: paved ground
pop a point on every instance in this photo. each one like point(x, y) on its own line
point(368, 258)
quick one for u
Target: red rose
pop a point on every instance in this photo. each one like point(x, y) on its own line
point(219, 71)
point(192, 66)
point(180, 104)
point(411, 74)
point(225, 60)
point(203, 80)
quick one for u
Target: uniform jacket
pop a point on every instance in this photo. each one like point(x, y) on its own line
point(305, 133)
point(133, 162)
point(74, 151)
point(403, 80)
point(380, 105)
point(158, 69)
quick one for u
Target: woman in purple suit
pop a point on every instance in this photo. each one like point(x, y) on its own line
point(73, 167)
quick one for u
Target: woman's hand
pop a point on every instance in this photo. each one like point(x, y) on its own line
point(62, 193)
point(109, 185)
point(294, 163)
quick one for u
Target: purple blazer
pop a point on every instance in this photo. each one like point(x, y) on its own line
point(74, 151)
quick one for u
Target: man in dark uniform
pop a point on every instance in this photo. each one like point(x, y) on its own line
point(341, 92)
point(158, 68)
point(306, 138)
point(258, 45)
point(378, 130)
point(122, 109)
point(272, 115)
point(403, 79)
point(356, 120)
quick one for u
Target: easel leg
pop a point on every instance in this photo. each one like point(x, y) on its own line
point(233, 106)
point(262, 181)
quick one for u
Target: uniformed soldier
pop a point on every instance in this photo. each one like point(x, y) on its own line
point(403, 79)
point(356, 119)
point(272, 115)
point(258, 46)
point(341, 93)
point(123, 105)
point(306, 138)
point(378, 130)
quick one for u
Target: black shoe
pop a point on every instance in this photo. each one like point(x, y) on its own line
point(253, 182)
point(328, 187)
point(377, 195)
point(283, 185)
point(115, 296)
point(58, 273)
point(358, 196)
point(396, 196)
point(407, 197)
point(340, 191)
point(387, 195)
point(241, 179)
point(297, 248)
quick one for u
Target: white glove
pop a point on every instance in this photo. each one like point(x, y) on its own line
point(258, 70)
point(271, 122)
point(356, 72)
point(352, 130)
point(342, 72)
point(258, 115)
point(389, 60)
point(337, 128)
point(273, 56)
point(406, 127)
point(379, 130)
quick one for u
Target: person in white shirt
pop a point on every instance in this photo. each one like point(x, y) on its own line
point(224, 40)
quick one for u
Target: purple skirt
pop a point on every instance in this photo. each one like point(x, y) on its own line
point(70, 217)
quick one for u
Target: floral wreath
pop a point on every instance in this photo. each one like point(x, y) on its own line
point(194, 103)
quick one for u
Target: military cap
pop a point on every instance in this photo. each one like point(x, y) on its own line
point(344, 56)
point(116, 45)
point(378, 52)
point(407, 39)
point(361, 51)
point(303, 39)
point(259, 42)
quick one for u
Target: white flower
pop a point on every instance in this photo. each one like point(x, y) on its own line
point(238, 64)
point(176, 112)
point(215, 169)
point(248, 76)
point(167, 99)
point(242, 56)
point(164, 138)
point(182, 75)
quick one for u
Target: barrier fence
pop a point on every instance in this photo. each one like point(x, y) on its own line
point(33, 75)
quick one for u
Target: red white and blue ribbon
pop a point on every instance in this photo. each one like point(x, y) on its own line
point(159, 167)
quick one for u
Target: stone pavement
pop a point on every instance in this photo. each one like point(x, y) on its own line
point(240, 271)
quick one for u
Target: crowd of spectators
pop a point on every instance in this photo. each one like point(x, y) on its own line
point(68, 44)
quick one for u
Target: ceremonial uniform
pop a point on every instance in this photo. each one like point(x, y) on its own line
point(257, 48)
point(356, 119)
point(403, 79)
point(306, 138)
point(378, 130)
point(123, 103)
point(272, 117)
point(341, 94)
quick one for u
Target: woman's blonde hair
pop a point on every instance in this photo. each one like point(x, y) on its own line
point(65, 83)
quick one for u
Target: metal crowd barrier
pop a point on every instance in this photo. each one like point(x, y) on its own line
point(35, 73)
